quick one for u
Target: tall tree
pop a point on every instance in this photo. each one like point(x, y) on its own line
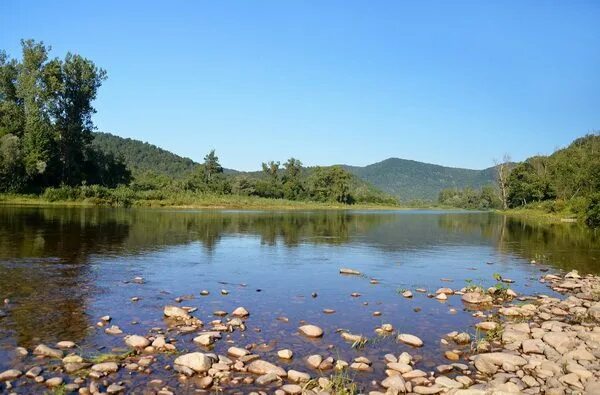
point(38, 138)
point(503, 169)
point(73, 85)
point(212, 165)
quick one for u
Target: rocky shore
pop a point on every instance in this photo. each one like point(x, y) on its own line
point(521, 344)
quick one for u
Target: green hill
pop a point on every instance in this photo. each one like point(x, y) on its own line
point(141, 157)
point(406, 179)
point(410, 180)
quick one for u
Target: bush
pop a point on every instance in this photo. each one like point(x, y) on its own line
point(592, 214)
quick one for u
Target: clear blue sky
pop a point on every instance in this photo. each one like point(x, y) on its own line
point(452, 83)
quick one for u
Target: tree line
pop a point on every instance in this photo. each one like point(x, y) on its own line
point(566, 182)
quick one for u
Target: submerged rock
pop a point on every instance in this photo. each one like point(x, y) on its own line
point(311, 330)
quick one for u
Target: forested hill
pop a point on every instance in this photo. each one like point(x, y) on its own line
point(410, 180)
point(141, 157)
point(402, 178)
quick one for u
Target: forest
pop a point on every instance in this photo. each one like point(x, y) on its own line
point(566, 183)
point(48, 147)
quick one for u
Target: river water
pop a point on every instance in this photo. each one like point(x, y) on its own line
point(61, 269)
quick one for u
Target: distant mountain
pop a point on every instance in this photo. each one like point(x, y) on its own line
point(410, 180)
point(406, 179)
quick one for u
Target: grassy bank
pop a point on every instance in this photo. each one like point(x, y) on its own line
point(195, 201)
point(541, 214)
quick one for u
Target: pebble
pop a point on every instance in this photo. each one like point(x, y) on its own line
point(311, 330)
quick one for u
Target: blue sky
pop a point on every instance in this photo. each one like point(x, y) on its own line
point(452, 83)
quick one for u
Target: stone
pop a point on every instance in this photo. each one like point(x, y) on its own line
point(46, 351)
point(486, 325)
point(314, 361)
point(196, 361)
point(499, 358)
point(65, 344)
point(559, 340)
point(394, 383)
point(240, 312)
point(136, 341)
point(10, 374)
point(445, 291)
point(411, 340)
point(54, 382)
point(113, 330)
point(447, 382)
point(266, 379)
point(105, 367)
point(407, 294)
point(33, 372)
point(176, 312)
point(476, 298)
point(298, 377)
point(451, 355)
point(237, 352)
point(462, 338)
point(532, 346)
point(72, 358)
point(285, 354)
point(353, 338)
point(292, 389)
point(311, 330)
point(434, 389)
point(115, 388)
point(441, 296)
point(399, 367)
point(263, 367)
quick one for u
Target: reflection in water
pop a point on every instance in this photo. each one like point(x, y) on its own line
point(46, 254)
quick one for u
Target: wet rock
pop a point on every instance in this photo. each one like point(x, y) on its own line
point(349, 271)
point(115, 389)
point(196, 361)
point(136, 341)
point(476, 298)
point(411, 340)
point(237, 352)
point(9, 375)
point(352, 338)
point(33, 372)
point(72, 367)
point(451, 355)
point(298, 377)
point(399, 367)
point(176, 312)
point(314, 361)
point(441, 296)
point(263, 367)
point(240, 312)
point(113, 330)
point(311, 330)
point(54, 382)
point(407, 294)
point(266, 379)
point(46, 351)
point(65, 344)
point(105, 367)
point(462, 338)
point(285, 354)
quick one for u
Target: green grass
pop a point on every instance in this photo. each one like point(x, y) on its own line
point(340, 383)
point(110, 357)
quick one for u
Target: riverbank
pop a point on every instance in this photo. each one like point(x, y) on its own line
point(202, 202)
point(540, 215)
point(533, 344)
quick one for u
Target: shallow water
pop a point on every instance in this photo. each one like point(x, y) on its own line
point(63, 268)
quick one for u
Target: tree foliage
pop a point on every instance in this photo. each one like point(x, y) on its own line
point(46, 122)
point(567, 179)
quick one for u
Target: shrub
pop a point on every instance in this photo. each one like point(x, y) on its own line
point(592, 214)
